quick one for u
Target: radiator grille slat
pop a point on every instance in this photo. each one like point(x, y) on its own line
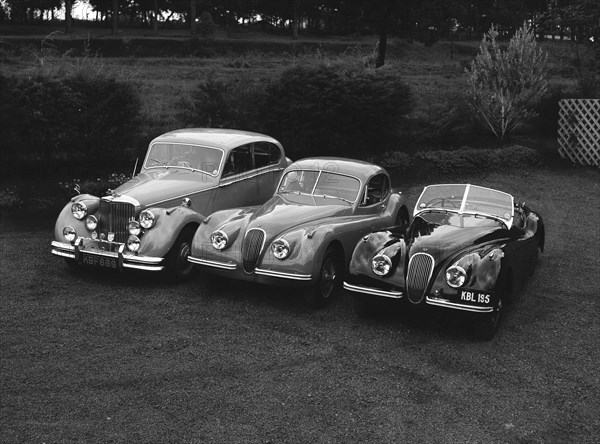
point(114, 217)
point(251, 248)
point(419, 273)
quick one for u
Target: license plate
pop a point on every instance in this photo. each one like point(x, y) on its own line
point(99, 261)
point(475, 297)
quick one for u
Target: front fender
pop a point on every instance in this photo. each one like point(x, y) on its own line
point(158, 240)
point(66, 218)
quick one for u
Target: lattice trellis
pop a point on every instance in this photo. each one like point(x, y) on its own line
point(579, 130)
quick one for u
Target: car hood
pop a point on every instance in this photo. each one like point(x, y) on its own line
point(286, 212)
point(162, 184)
point(446, 240)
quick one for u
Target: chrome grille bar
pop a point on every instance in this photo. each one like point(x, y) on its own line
point(114, 217)
point(251, 248)
point(420, 268)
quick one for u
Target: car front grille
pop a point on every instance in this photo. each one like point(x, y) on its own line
point(251, 248)
point(420, 268)
point(114, 217)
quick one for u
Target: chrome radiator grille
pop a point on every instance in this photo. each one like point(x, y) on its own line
point(251, 248)
point(420, 268)
point(114, 218)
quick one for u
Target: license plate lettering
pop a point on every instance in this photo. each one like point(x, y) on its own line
point(475, 296)
point(99, 261)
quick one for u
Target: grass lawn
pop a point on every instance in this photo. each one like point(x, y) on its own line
point(127, 358)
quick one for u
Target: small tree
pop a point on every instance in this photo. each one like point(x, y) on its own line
point(505, 85)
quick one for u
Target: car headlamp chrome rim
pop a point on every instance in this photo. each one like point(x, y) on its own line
point(69, 233)
point(456, 276)
point(134, 228)
point(147, 219)
point(219, 240)
point(91, 222)
point(381, 265)
point(280, 248)
point(79, 210)
point(133, 243)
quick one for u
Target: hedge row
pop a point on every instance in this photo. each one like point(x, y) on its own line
point(56, 125)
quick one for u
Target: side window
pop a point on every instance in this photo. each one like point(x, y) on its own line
point(239, 161)
point(265, 154)
point(376, 190)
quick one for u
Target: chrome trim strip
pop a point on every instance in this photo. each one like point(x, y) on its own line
point(282, 275)
point(62, 246)
point(63, 254)
point(215, 264)
point(457, 306)
point(157, 203)
point(374, 291)
point(241, 176)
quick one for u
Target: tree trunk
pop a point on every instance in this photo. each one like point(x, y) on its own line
point(155, 23)
point(193, 17)
point(68, 18)
point(385, 12)
point(115, 17)
point(295, 21)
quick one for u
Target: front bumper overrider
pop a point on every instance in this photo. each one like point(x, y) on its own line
point(116, 257)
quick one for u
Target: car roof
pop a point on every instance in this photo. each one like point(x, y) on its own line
point(357, 168)
point(215, 137)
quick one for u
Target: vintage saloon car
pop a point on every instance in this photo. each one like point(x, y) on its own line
point(304, 234)
point(468, 248)
point(148, 222)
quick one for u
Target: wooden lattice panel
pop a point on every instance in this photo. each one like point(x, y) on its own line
point(579, 130)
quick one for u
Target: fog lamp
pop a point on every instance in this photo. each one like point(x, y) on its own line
point(69, 233)
point(134, 228)
point(133, 243)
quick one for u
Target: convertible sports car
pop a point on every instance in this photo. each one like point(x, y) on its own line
point(148, 222)
point(304, 234)
point(468, 248)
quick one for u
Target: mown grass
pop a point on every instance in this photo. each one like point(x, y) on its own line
point(127, 358)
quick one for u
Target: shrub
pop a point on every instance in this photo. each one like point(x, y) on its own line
point(468, 160)
point(325, 110)
point(53, 125)
point(504, 86)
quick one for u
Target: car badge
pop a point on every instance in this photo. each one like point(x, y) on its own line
point(424, 249)
point(111, 236)
point(102, 236)
point(94, 235)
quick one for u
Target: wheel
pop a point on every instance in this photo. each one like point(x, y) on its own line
point(178, 268)
point(487, 327)
point(329, 281)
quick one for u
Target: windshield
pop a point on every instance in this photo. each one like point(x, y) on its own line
point(320, 184)
point(467, 199)
point(194, 157)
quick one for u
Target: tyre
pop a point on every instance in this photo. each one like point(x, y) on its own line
point(329, 281)
point(488, 326)
point(178, 268)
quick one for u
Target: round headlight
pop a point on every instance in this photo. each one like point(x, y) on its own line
point(133, 243)
point(456, 276)
point(219, 240)
point(134, 228)
point(147, 219)
point(91, 222)
point(79, 210)
point(381, 265)
point(69, 233)
point(280, 248)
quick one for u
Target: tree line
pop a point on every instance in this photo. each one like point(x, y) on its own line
point(424, 20)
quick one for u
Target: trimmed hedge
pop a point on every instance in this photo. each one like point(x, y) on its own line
point(324, 110)
point(52, 125)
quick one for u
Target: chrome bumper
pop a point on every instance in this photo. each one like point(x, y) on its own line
point(124, 260)
point(258, 271)
point(456, 306)
point(374, 291)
